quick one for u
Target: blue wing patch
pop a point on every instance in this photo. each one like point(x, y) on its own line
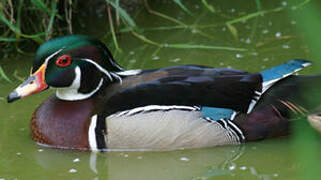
point(283, 70)
point(217, 113)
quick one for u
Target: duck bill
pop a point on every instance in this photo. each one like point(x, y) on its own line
point(34, 84)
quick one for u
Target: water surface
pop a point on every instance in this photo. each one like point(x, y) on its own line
point(269, 40)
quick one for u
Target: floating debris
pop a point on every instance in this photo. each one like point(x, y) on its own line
point(275, 175)
point(175, 60)
point(131, 52)
point(18, 153)
point(278, 34)
point(40, 150)
point(239, 56)
point(255, 53)
point(224, 29)
point(265, 31)
point(139, 157)
point(266, 59)
point(126, 155)
point(155, 57)
point(263, 67)
point(76, 160)
point(284, 3)
point(232, 10)
point(132, 61)
point(194, 31)
point(270, 23)
point(72, 170)
point(232, 167)
point(221, 64)
point(243, 168)
point(293, 22)
point(285, 46)
point(184, 159)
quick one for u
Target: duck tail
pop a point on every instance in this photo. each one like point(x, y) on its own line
point(288, 99)
point(274, 74)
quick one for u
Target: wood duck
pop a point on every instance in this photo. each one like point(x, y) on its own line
point(100, 106)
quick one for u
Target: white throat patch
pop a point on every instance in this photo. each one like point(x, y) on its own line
point(71, 93)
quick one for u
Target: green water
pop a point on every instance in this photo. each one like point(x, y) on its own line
point(270, 39)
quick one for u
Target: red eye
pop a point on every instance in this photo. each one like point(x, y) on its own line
point(63, 61)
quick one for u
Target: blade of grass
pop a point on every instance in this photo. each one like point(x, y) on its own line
point(208, 6)
point(181, 5)
point(51, 20)
point(5, 39)
point(195, 46)
point(111, 25)
point(7, 22)
point(124, 15)
point(4, 76)
point(40, 5)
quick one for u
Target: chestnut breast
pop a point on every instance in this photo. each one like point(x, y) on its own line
point(62, 124)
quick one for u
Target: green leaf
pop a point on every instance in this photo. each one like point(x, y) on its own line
point(40, 5)
point(180, 4)
point(124, 15)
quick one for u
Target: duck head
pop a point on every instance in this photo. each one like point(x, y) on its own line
point(77, 66)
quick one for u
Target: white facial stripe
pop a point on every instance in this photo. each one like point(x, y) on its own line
point(99, 68)
point(92, 134)
point(52, 55)
point(71, 93)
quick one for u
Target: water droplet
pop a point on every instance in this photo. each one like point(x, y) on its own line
point(155, 57)
point(239, 56)
point(76, 160)
point(284, 3)
point(265, 31)
point(72, 170)
point(278, 34)
point(248, 41)
point(40, 150)
point(184, 159)
point(18, 153)
point(243, 168)
point(285, 46)
point(275, 175)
